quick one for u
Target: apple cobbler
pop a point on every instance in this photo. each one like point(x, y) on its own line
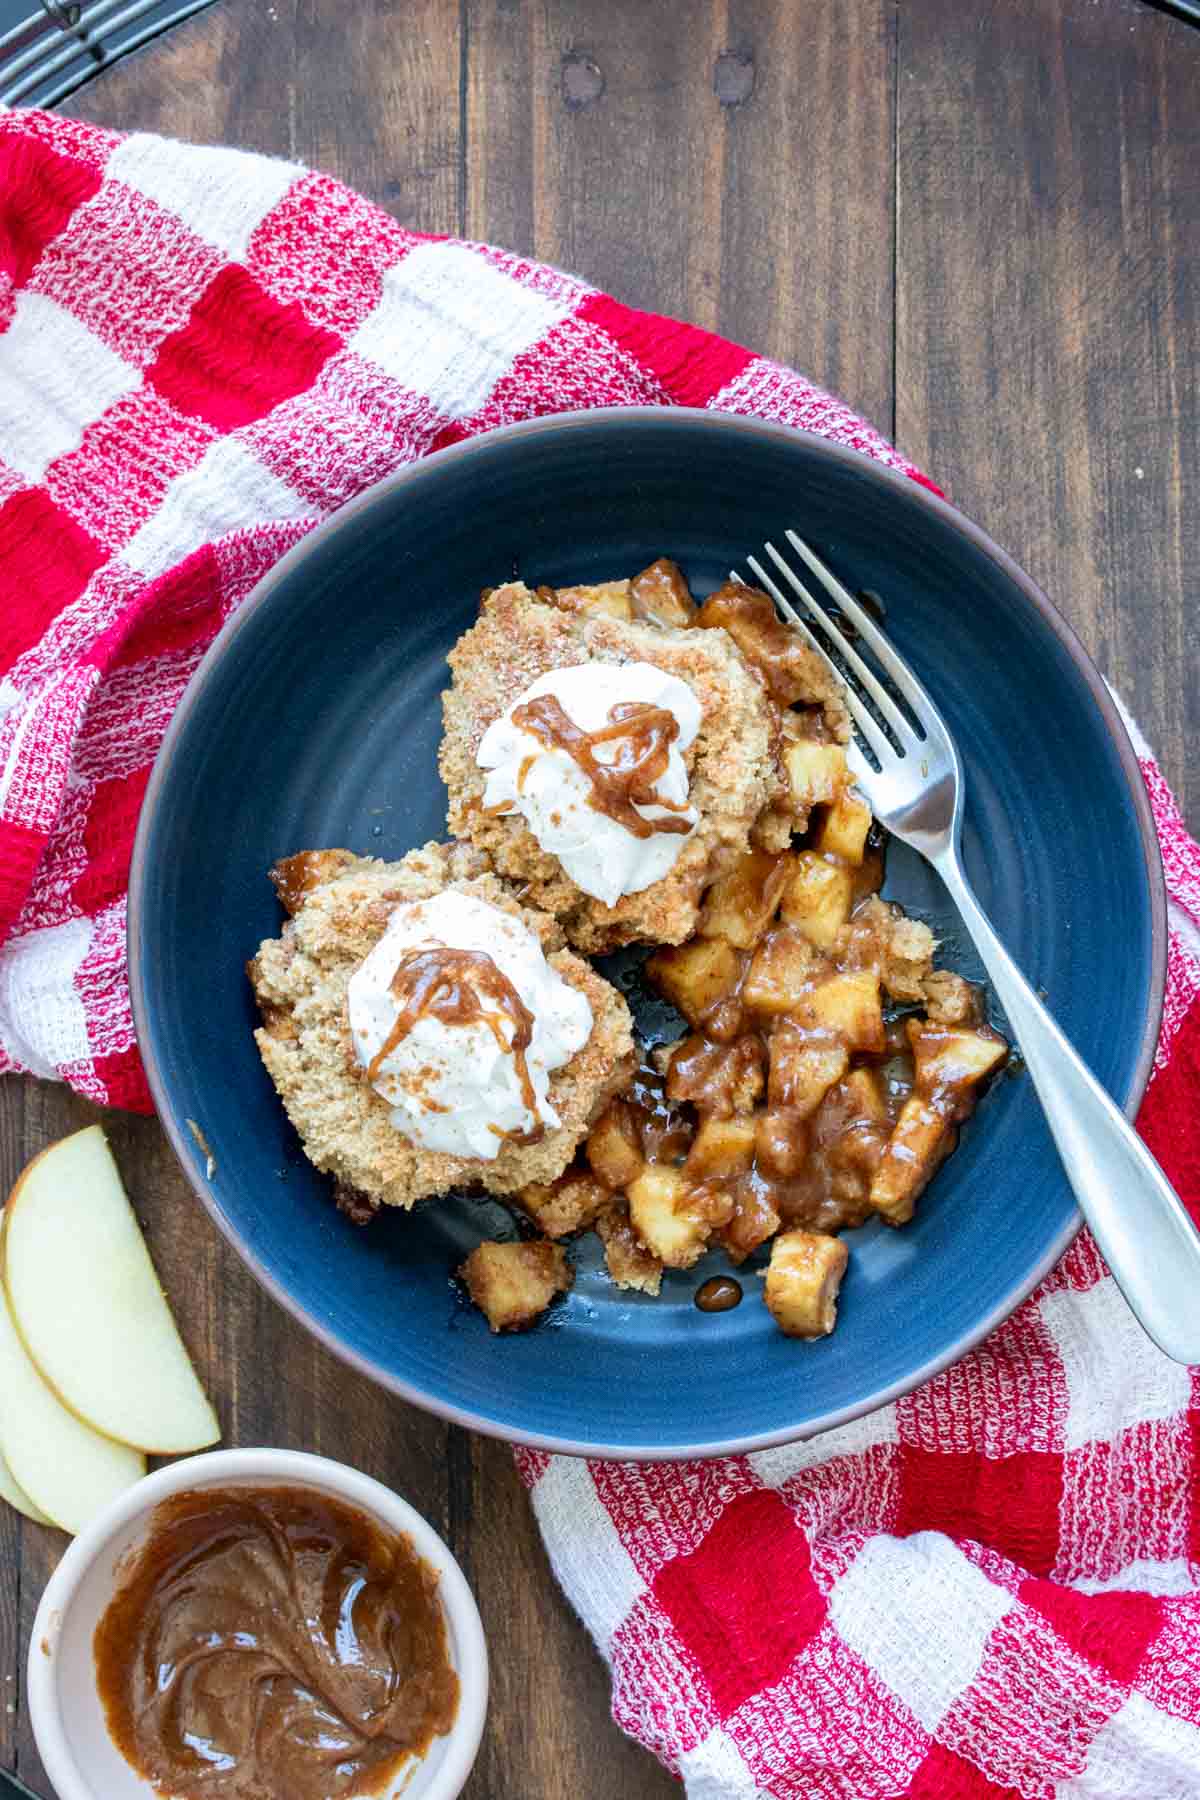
point(399, 1007)
point(627, 766)
point(679, 709)
point(826, 1064)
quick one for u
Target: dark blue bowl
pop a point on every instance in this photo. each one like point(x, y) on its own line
point(314, 720)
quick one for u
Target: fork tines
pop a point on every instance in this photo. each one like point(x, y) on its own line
point(897, 734)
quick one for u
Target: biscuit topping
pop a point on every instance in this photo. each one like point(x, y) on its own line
point(458, 1020)
point(592, 757)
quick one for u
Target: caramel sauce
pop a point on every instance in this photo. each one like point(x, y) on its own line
point(809, 1167)
point(643, 735)
point(273, 1644)
point(665, 1129)
point(721, 1293)
point(452, 986)
point(294, 877)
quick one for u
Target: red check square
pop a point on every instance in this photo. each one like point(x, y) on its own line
point(108, 833)
point(1111, 1630)
point(46, 559)
point(47, 189)
point(327, 249)
point(944, 1775)
point(123, 1080)
point(239, 354)
point(1009, 1503)
point(691, 364)
point(744, 1601)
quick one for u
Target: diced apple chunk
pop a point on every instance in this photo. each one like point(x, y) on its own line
point(741, 903)
point(843, 830)
point(949, 1057)
point(818, 898)
point(802, 1069)
point(802, 1282)
point(920, 1140)
point(721, 1149)
point(789, 667)
point(664, 1221)
point(847, 1007)
point(780, 973)
point(661, 594)
point(781, 1139)
point(754, 1219)
point(717, 1078)
point(865, 1094)
point(817, 773)
point(696, 976)
point(614, 1146)
point(563, 1206)
point(513, 1284)
point(608, 598)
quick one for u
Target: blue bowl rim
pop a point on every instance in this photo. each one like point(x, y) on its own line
point(555, 425)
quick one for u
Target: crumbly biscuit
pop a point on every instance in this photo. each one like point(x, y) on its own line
point(300, 981)
point(733, 765)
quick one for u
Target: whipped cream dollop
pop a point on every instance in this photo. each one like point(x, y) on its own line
point(546, 784)
point(456, 1077)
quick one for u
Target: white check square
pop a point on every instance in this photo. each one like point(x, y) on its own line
point(918, 1614)
point(222, 195)
point(1139, 1754)
point(228, 490)
point(56, 378)
point(448, 326)
point(1115, 1377)
point(595, 1566)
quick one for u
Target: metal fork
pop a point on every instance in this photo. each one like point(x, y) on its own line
point(916, 791)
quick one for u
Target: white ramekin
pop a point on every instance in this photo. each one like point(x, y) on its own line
point(64, 1706)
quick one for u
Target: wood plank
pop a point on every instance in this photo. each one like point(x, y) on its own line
point(737, 173)
point(370, 93)
point(1048, 342)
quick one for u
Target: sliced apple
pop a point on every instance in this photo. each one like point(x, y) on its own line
point(87, 1304)
point(14, 1493)
point(69, 1471)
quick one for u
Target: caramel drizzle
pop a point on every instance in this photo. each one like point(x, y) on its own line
point(644, 734)
point(451, 986)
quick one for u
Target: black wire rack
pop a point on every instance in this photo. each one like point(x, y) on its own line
point(48, 51)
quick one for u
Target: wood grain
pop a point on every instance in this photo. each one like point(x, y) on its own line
point(1024, 179)
point(674, 165)
point(1048, 335)
point(370, 92)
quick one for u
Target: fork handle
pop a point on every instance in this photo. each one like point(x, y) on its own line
point(1135, 1215)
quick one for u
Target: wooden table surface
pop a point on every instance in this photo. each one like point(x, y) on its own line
point(979, 220)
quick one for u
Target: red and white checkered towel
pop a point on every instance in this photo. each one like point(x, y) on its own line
point(991, 1588)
